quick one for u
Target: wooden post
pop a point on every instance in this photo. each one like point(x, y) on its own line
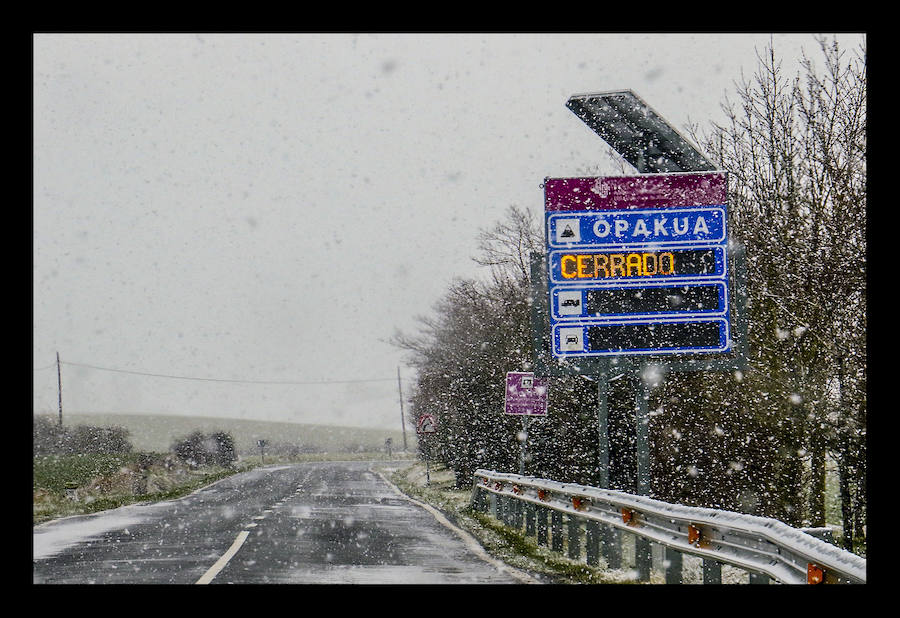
point(59, 384)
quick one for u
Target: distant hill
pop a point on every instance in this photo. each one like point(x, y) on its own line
point(158, 432)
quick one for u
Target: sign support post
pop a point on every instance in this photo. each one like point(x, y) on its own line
point(523, 444)
point(642, 430)
point(425, 427)
point(603, 430)
point(427, 470)
point(642, 554)
point(526, 395)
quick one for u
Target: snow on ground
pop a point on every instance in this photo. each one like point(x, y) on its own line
point(53, 537)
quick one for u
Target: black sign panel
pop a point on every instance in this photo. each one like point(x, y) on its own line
point(654, 336)
point(662, 299)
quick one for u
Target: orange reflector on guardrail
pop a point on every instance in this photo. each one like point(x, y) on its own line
point(814, 574)
point(699, 536)
point(542, 494)
point(627, 516)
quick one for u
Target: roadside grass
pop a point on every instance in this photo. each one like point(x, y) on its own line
point(55, 472)
point(68, 485)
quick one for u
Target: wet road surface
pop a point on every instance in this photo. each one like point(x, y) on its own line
point(314, 523)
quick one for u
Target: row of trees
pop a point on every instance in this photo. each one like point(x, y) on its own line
point(200, 449)
point(755, 441)
point(795, 150)
point(196, 449)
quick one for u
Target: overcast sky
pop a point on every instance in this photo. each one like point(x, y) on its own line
point(233, 209)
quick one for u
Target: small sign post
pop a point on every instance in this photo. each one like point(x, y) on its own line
point(526, 395)
point(262, 453)
point(426, 426)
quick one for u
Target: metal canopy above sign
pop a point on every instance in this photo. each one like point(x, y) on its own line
point(638, 133)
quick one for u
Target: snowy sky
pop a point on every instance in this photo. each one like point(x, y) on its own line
point(236, 209)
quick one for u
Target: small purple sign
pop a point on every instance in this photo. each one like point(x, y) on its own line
point(633, 192)
point(525, 394)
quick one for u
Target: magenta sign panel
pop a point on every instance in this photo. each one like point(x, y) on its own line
point(635, 192)
point(525, 394)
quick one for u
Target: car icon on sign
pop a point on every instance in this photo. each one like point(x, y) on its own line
point(571, 302)
point(572, 339)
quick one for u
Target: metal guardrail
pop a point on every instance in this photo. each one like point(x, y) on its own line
point(766, 548)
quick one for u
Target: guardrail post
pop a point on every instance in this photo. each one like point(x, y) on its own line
point(642, 558)
point(758, 578)
point(574, 537)
point(712, 571)
point(556, 538)
point(592, 543)
point(612, 546)
point(495, 506)
point(529, 519)
point(672, 566)
point(542, 525)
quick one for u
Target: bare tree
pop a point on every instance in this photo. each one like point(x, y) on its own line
point(481, 329)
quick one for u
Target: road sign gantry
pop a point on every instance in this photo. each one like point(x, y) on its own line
point(638, 264)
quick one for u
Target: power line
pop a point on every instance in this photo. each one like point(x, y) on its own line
point(181, 377)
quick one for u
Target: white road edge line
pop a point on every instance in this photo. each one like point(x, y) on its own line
point(470, 541)
point(221, 562)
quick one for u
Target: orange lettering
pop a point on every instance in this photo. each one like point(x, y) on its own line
point(667, 266)
point(583, 266)
point(617, 265)
point(568, 273)
point(633, 262)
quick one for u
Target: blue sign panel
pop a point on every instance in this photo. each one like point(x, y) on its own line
point(648, 280)
point(586, 338)
point(639, 300)
point(671, 226)
point(578, 265)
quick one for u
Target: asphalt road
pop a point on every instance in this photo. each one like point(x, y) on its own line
point(314, 523)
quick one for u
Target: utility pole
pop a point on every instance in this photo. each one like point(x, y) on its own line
point(59, 385)
point(402, 419)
